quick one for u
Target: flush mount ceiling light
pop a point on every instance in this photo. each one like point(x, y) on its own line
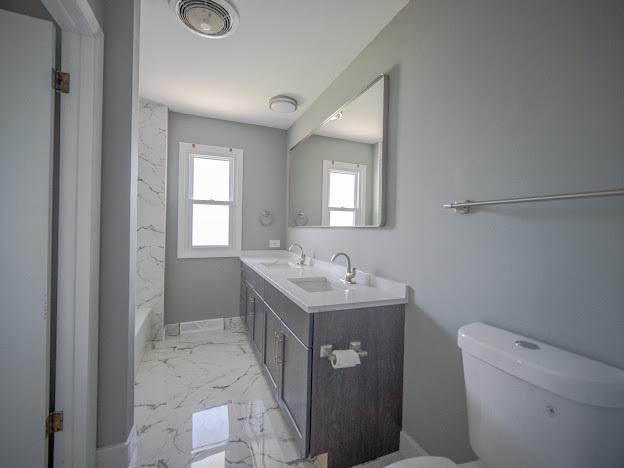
point(336, 116)
point(215, 19)
point(283, 104)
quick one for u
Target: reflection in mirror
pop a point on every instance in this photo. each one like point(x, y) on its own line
point(336, 173)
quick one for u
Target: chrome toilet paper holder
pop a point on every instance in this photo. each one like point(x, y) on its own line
point(327, 351)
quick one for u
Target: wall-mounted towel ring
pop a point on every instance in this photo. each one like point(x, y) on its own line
point(301, 219)
point(266, 217)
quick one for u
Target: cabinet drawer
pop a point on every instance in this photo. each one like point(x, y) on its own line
point(249, 275)
point(254, 279)
point(299, 321)
point(258, 283)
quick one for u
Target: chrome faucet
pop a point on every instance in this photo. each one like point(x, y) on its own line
point(350, 271)
point(302, 257)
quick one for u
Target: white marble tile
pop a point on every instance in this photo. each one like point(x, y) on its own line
point(151, 212)
point(201, 401)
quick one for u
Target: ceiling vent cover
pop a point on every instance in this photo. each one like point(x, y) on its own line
point(208, 18)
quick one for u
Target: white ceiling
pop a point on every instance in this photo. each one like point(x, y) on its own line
point(281, 47)
point(362, 118)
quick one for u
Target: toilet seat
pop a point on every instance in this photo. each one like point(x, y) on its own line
point(424, 462)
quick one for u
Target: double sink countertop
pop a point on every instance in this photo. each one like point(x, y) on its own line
point(280, 270)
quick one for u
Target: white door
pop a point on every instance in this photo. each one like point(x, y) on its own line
point(26, 142)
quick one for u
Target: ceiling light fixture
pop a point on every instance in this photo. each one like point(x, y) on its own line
point(336, 116)
point(283, 104)
point(214, 19)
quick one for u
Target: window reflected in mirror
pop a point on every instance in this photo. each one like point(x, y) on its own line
point(336, 173)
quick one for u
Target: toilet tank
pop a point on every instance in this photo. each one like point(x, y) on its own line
point(531, 405)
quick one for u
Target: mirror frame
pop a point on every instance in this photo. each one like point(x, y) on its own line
point(384, 159)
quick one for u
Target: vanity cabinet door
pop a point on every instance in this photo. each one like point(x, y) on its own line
point(259, 338)
point(242, 312)
point(295, 360)
point(251, 311)
point(273, 328)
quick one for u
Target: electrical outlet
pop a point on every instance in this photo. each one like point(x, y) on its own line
point(274, 244)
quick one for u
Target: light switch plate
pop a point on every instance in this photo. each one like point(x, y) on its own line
point(274, 244)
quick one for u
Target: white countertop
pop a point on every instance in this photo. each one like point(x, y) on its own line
point(369, 290)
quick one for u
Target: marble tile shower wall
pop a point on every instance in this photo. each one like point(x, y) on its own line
point(151, 213)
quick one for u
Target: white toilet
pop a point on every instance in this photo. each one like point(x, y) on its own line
point(531, 405)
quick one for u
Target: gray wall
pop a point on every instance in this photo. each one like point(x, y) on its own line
point(98, 10)
point(205, 288)
point(489, 99)
point(306, 173)
point(375, 211)
point(118, 223)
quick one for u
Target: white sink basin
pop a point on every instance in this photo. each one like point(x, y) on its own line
point(276, 265)
point(315, 284)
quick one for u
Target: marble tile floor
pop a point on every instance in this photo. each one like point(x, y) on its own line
point(201, 401)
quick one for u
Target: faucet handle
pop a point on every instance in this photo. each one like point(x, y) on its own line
point(350, 275)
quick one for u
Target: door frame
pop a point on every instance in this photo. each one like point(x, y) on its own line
point(82, 46)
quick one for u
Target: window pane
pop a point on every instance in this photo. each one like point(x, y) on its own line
point(341, 218)
point(211, 179)
point(211, 225)
point(342, 189)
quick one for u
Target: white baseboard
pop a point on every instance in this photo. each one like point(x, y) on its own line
point(198, 326)
point(409, 447)
point(119, 455)
point(142, 329)
point(201, 326)
point(232, 322)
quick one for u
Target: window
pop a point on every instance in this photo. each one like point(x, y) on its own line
point(344, 193)
point(209, 201)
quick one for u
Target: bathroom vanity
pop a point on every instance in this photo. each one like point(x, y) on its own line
point(296, 317)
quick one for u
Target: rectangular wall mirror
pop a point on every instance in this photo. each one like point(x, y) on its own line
point(336, 174)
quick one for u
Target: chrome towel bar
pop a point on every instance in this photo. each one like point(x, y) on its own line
point(463, 207)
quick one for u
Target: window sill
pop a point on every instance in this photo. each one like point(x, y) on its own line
point(209, 253)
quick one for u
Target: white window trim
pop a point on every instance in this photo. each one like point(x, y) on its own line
point(360, 211)
point(185, 249)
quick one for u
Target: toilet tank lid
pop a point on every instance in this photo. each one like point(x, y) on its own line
point(556, 370)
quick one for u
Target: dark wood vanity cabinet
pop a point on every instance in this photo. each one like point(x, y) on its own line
point(352, 414)
point(295, 361)
point(251, 311)
point(273, 327)
point(287, 363)
point(243, 302)
point(259, 325)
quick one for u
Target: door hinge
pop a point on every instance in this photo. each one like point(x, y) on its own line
point(54, 422)
point(60, 81)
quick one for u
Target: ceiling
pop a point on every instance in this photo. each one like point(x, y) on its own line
point(281, 47)
point(362, 118)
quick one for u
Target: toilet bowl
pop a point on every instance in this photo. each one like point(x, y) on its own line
point(568, 409)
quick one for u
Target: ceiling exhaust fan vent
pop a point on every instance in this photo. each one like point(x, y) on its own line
point(208, 18)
